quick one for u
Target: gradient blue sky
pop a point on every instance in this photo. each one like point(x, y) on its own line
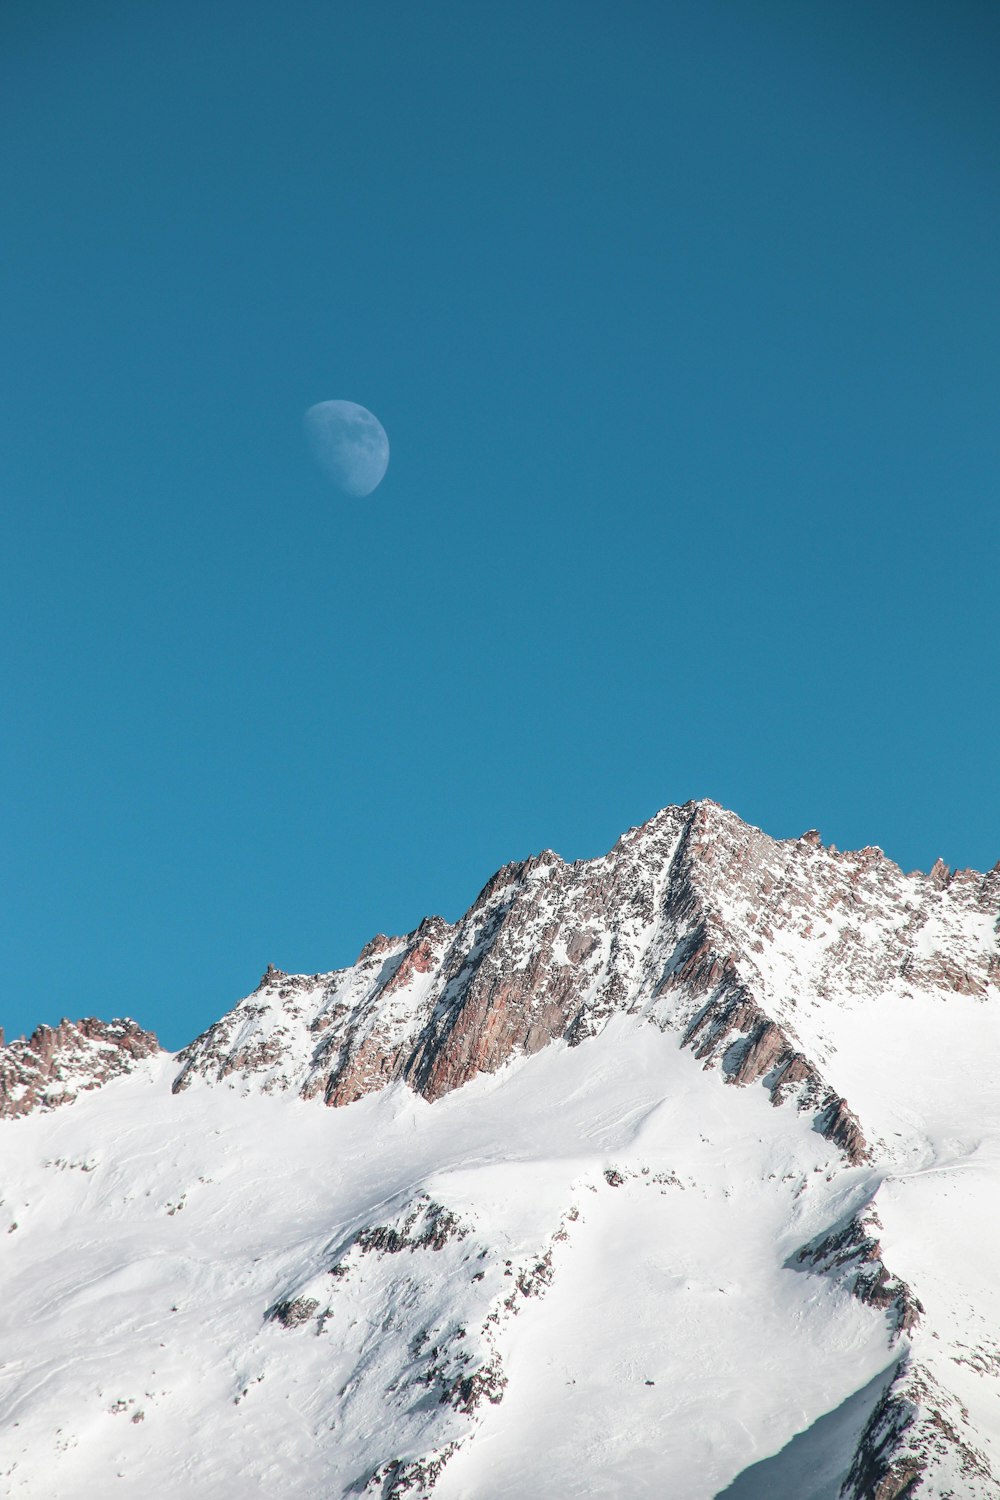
point(684, 323)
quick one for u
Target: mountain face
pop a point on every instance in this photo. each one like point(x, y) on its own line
point(672, 1172)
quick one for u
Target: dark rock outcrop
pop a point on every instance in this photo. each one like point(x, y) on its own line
point(852, 1249)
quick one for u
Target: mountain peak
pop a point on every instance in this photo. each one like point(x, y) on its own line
point(735, 1088)
point(694, 919)
point(56, 1063)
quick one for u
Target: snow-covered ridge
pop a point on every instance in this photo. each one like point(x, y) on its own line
point(747, 947)
point(544, 1250)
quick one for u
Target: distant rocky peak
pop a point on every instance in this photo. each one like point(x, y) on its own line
point(57, 1063)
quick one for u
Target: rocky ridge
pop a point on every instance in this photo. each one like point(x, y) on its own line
point(57, 1063)
point(697, 922)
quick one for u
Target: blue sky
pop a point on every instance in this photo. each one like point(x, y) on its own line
point(684, 324)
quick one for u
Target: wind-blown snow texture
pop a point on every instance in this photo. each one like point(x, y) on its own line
point(545, 1250)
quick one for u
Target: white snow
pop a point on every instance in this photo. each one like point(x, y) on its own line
point(155, 1231)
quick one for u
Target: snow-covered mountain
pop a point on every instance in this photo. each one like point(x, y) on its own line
point(670, 1173)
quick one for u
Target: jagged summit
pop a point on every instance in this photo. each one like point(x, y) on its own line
point(56, 1063)
point(664, 1171)
point(703, 925)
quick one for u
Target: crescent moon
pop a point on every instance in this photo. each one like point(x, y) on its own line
point(349, 444)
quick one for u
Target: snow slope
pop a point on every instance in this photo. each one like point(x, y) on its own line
point(545, 1247)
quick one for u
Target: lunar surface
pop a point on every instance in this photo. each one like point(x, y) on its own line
point(349, 445)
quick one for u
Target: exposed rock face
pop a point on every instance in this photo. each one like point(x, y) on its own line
point(852, 1248)
point(916, 1429)
point(56, 1063)
point(700, 923)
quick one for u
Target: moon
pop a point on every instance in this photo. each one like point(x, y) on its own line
point(349, 445)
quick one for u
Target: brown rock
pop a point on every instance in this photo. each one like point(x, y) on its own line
point(56, 1063)
point(766, 1048)
point(841, 1125)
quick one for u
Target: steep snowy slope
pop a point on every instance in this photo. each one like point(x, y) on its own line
point(545, 1249)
